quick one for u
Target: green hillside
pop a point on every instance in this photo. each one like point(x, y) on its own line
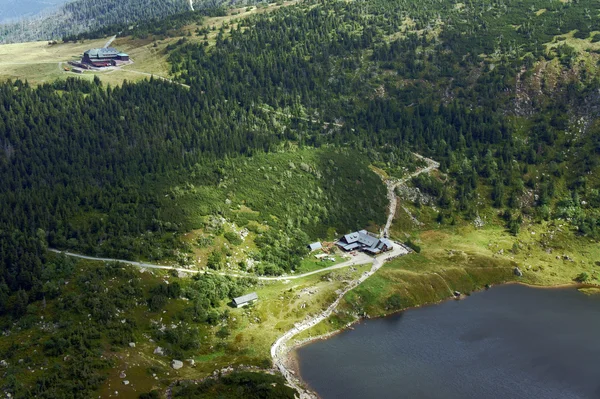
point(269, 138)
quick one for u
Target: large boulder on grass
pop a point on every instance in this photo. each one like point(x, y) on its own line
point(177, 364)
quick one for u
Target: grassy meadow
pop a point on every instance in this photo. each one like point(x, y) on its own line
point(42, 62)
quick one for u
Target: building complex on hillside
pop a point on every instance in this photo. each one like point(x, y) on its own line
point(103, 57)
point(363, 241)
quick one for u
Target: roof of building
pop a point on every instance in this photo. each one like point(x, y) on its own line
point(362, 239)
point(366, 239)
point(387, 242)
point(352, 237)
point(315, 245)
point(245, 298)
point(102, 52)
point(349, 247)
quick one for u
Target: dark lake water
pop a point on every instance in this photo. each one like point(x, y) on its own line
point(508, 342)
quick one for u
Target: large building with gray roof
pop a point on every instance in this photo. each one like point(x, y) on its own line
point(363, 241)
point(101, 57)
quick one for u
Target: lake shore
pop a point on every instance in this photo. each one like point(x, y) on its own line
point(292, 361)
point(514, 330)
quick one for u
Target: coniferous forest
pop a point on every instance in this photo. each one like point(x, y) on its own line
point(283, 116)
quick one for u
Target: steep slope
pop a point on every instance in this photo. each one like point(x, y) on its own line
point(85, 15)
point(17, 9)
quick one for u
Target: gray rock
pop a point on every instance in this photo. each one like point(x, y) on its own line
point(125, 382)
point(132, 344)
point(177, 364)
point(122, 375)
point(192, 362)
point(517, 272)
point(159, 351)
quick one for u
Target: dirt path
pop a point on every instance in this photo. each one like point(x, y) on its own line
point(361, 259)
point(392, 184)
point(280, 350)
point(109, 42)
point(155, 76)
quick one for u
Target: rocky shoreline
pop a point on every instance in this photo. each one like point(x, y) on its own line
point(291, 361)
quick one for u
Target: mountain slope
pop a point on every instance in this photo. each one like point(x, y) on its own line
point(85, 15)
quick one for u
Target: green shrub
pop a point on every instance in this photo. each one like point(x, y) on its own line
point(233, 238)
point(412, 245)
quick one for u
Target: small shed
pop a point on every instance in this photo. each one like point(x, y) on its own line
point(244, 300)
point(314, 246)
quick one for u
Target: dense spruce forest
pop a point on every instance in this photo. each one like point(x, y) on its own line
point(284, 114)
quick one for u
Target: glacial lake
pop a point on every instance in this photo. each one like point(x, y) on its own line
point(510, 341)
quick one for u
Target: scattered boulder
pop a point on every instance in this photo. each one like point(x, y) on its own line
point(192, 362)
point(125, 382)
point(478, 222)
point(3, 363)
point(132, 344)
point(122, 375)
point(457, 293)
point(159, 351)
point(517, 272)
point(177, 364)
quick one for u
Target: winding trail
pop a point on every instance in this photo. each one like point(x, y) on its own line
point(362, 259)
point(392, 184)
point(280, 349)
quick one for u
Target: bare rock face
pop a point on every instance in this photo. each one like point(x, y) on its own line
point(177, 364)
point(517, 272)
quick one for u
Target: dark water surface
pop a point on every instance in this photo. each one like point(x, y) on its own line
point(511, 341)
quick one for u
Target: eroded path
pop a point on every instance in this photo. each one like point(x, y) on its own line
point(362, 259)
point(392, 184)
